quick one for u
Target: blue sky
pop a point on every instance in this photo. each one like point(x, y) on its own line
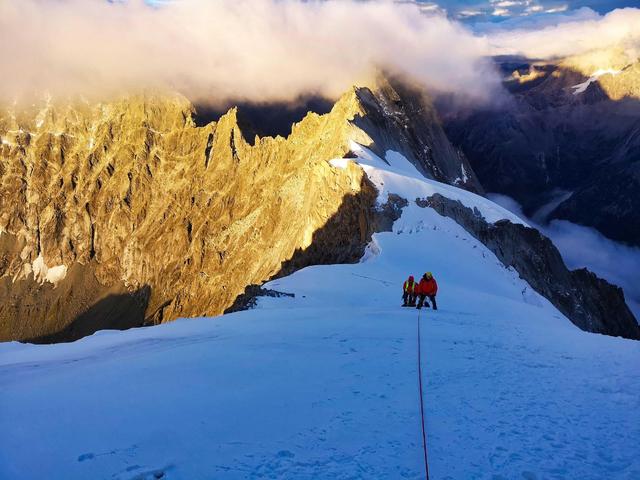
point(500, 10)
point(474, 11)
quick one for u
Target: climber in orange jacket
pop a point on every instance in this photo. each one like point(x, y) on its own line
point(428, 287)
point(409, 292)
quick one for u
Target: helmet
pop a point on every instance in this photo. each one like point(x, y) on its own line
point(411, 278)
point(429, 275)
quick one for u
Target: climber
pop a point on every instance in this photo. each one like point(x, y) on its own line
point(409, 292)
point(427, 288)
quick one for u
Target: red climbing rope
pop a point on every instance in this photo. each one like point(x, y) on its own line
point(424, 431)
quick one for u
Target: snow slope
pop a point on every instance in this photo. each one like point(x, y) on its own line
point(324, 385)
point(582, 87)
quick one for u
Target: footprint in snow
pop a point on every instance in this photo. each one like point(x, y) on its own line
point(286, 454)
point(151, 474)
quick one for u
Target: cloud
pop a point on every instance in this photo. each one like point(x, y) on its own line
point(241, 49)
point(276, 50)
point(500, 12)
point(506, 3)
point(586, 247)
point(469, 13)
point(534, 8)
point(559, 9)
point(562, 35)
point(509, 203)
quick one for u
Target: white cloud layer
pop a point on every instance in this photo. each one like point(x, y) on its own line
point(261, 50)
point(249, 49)
point(574, 33)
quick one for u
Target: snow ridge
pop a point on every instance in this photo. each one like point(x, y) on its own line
point(395, 174)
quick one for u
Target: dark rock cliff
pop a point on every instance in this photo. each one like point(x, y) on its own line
point(551, 134)
point(589, 302)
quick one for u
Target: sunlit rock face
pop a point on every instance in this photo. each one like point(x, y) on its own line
point(125, 213)
point(614, 70)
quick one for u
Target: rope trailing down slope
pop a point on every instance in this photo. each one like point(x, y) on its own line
point(424, 431)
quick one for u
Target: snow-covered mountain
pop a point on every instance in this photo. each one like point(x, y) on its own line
point(126, 213)
point(321, 379)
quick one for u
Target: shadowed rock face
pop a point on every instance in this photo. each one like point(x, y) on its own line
point(589, 302)
point(77, 306)
point(126, 213)
point(401, 117)
point(552, 136)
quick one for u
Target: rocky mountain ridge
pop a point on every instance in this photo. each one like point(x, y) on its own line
point(126, 213)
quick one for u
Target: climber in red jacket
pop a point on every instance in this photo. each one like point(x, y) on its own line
point(428, 287)
point(409, 292)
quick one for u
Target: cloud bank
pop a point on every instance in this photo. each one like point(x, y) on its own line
point(241, 49)
point(574, 33)
point(274, 50)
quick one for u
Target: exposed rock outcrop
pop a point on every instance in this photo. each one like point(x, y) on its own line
point(589, 302)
